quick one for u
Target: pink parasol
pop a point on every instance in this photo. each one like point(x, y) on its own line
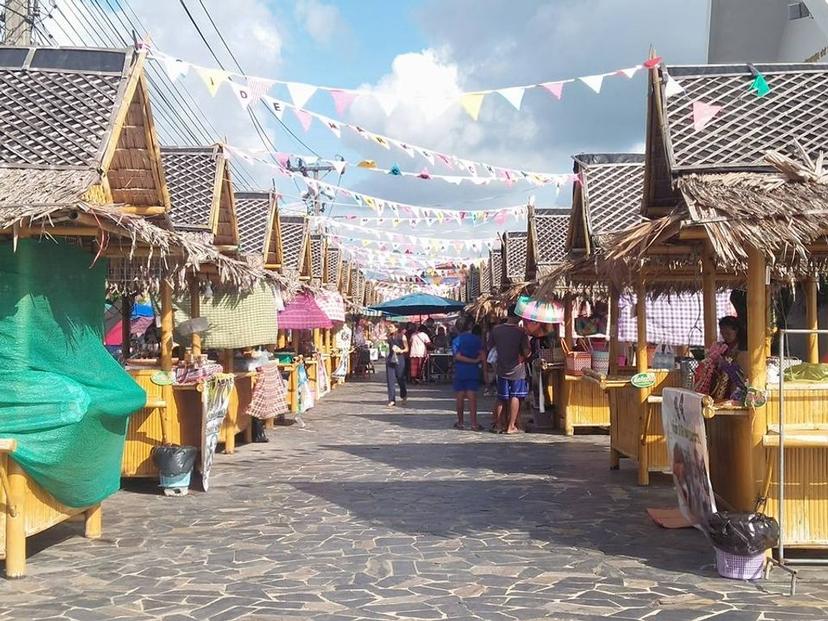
point(303, 313)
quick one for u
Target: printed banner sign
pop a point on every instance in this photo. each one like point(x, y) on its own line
point(215, 401)
point(681, 415)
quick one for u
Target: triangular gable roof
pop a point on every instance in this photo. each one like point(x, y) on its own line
point(258, 234)
point(495, 270)
point(485, 278)
point(83, 110)
point(345, 278)
point(739, 135)
point(473, 285)
point(333, 266)
point(546, 248)
point(317, 257)
point(606, 198)
point(294, 234)
point(201, 192)
point(514, 257)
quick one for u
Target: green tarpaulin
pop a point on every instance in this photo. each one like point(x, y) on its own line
point(63, 397)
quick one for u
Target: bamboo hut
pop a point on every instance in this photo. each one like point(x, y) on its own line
point(546, 245)
point(82, 195)
point(513, 257)
point(743, 199)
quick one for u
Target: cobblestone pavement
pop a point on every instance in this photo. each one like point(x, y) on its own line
point(375, 514)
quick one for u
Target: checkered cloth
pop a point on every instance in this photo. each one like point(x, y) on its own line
point(331, 304)
point(236, 320)
point(303, 313)
point(193, 375)
point(675, 320)
point(269, 394)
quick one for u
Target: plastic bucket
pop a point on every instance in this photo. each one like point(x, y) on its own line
point(600, 362)
point(739, 567)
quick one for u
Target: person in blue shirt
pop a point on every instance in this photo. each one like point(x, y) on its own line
point(467, 348)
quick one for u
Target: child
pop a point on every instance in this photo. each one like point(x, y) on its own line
point(468, 354)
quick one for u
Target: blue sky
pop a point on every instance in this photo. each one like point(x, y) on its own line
point(428, 46)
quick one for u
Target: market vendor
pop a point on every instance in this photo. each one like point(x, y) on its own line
point(722, 373)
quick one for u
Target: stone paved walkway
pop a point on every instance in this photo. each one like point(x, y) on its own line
point(371, 514)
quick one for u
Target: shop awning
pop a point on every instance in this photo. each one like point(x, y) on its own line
point(420, 304)
point(303, 313)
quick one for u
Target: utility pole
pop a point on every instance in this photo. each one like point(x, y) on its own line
point(19, 18)
point(304, 168)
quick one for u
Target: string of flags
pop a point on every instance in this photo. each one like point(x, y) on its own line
point(703, 112)
point(255, 88)
point(411, 245)
point(474, 178)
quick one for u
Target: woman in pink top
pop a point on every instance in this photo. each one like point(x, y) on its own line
point(418, 353)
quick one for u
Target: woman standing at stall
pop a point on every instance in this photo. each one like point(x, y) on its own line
point(420, 342)
point(395, 365)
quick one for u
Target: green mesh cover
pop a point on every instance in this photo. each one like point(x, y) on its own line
point(63, 397)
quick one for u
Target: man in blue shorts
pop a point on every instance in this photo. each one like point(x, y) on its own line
point(468, 354)
point(512, 345)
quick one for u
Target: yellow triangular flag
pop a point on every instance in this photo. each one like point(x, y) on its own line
point(213, 78)
point(471, 103)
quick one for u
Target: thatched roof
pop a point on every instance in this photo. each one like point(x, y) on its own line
point(547, 230)
point(82, 110)
point(514, 257)
point(495, 271)
point(295, 237)
point(607, 198)
point(201, 193)
point(742, 132)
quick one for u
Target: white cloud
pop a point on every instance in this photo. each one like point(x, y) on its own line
point(321, 21)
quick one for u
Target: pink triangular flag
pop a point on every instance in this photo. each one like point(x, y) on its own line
point(556, 88)
point(304, 118)
point(282, 158)
point(342, 99)
point(703, 113)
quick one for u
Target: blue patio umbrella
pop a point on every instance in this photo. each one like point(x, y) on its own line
point(419, 304)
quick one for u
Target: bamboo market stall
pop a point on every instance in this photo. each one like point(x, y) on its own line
point(332, 279)
point(727, 208)
point(76, 195)
point(606, 199)
point(546, 249)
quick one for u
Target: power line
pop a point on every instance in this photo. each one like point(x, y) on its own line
point(242, 71)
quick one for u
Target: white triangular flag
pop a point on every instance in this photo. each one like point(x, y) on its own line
point(300, 93)
point(276, 106)
point(387, 102)
point(513, 95)
point(334, 126)
point(593, 81)
point(428, 155)
point(243, 94)
point(339, 166)
point(176, 68)
point(630, 71)
point(408, 150)
point(672, 87)
point(453, 179)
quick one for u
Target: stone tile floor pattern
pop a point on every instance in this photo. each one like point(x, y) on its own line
point(386, 515)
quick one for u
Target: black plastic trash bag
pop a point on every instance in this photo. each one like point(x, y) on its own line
point(173, 460)
point(743, 534)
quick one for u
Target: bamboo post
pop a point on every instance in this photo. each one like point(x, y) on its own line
point(749, 453)
point(642, 366)
point(568, 327)
point(126, 325)
point(16, 524)
point(711, 322)
point(195, 311)
point(93, 522)
point(166, 344)
point(165, 354)
point(812, 318)
point(233, 412)
point(613, 330)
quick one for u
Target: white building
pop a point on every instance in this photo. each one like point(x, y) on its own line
point(758, 31)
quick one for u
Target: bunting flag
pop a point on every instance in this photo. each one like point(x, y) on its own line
point(300, 93)
point(259, 86)
point(175, 67)
point(556, 88)
point(305, 119)
point(243, 94)
point(471, 103)
point(672, 87)
point(629, 72)
point(760, 85)
point(513, 95)
point(703, 113)
point(213, 78)
point(387, 102)
point(276, 106)
point(342, 100)
point(593, 81)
